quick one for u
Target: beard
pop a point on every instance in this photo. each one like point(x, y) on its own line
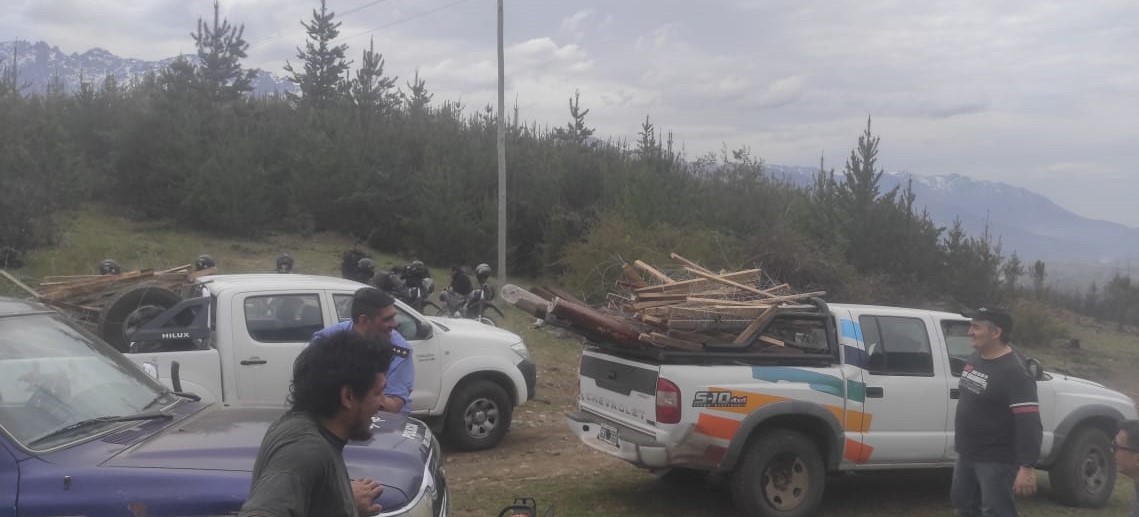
point(362, 431)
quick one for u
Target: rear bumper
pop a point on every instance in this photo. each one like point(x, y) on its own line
point(632, 445)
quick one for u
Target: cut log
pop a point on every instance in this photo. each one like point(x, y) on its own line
point(593, 321)
point(528, 302)
point(653, 271)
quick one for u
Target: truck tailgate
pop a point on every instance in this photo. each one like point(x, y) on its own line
point(619, 389)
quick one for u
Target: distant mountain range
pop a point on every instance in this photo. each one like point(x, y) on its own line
point(1026, 222)
point(1030, 224)
point(38, 63)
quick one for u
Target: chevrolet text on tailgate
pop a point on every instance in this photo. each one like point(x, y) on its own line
point(850, 388)
point(84, 431)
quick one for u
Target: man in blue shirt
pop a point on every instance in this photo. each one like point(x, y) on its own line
point(373, 315)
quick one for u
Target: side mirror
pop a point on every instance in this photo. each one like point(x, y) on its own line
point(1035, 369)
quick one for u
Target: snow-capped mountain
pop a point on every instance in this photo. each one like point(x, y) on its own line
point(1026, 222)
point(38, 63)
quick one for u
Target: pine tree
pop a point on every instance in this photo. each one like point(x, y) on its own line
point(417, 97)
point(1012, 270)
point(575, 131)
point(322, 79)
point(221, 47)
point(371, 89)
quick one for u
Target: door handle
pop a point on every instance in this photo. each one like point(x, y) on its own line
point(954, 393)
point(252, 361)
point(875, 392)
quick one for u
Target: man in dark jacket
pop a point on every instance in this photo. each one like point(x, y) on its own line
point(997, 427)
point(350, 259)
point(338, 384)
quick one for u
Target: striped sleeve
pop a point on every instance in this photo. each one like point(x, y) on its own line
point(1025, 408)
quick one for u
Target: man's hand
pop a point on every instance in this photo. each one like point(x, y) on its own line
point(1025, 484)
point(365, 491)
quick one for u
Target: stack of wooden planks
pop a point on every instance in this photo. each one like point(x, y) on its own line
point(685, 307)
point(89, 292)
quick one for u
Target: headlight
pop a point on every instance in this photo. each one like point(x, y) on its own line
point(520, 349)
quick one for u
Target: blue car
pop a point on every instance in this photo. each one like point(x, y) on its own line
point(84, 431)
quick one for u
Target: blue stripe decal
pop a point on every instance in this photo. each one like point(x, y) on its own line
point(854, 356)
point(851, 330)
point(817, 381)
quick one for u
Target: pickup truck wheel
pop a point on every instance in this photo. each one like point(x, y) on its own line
point(780, 475)
point(478, 415)
point(1084, 473)
point(131, 310)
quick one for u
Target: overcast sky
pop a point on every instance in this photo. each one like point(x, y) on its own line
point(1042, 94)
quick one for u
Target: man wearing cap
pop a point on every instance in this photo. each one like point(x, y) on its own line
point(1126, 447)
point(998, 429)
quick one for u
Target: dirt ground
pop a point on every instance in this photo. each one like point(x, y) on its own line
point(539, 444)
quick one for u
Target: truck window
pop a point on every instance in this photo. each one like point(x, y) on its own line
point(807, 335)
point(405, 324)
point(958, 344)
point(288, 318)
point(896, 346)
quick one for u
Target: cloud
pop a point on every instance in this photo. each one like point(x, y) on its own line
point(573, 23)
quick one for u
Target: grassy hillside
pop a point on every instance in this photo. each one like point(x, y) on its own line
point(93, 233)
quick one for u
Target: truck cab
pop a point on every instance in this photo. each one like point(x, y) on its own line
point(237, 340)
point(831, 388)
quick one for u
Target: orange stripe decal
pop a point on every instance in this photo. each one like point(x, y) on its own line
point(717, 426)
point(857, 452)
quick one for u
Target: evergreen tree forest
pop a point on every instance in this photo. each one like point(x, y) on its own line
point(364, 153)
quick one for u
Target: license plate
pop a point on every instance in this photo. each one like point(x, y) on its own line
point(608, 434)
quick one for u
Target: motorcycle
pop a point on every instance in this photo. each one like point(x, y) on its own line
point(412, 290)
point(474, 306)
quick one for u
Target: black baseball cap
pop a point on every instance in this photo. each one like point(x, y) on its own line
point(997, 315)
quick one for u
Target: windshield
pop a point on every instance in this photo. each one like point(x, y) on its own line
point(53, 375)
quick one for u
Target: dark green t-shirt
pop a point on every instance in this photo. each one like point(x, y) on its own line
point(300, 472)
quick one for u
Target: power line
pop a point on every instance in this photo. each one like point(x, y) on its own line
point(365, 6)
point(406, 19)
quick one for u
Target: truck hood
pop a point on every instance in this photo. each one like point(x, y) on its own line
point(473, 329)
point(226, 438)
point(1083, 391)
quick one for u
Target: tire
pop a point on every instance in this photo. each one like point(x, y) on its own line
point(478, 415)
point(131, 310)
point(780, 475)
point(1084, 473)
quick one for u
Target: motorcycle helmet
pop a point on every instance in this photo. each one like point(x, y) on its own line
point(285, 263)
point(109, 267)
point(205, 261)
point(483, 271)
point(366, 265)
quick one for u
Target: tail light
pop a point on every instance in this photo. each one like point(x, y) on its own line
point(668, 402)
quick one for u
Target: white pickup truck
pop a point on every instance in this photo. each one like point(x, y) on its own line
point(237, 340)
point(851, 388)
